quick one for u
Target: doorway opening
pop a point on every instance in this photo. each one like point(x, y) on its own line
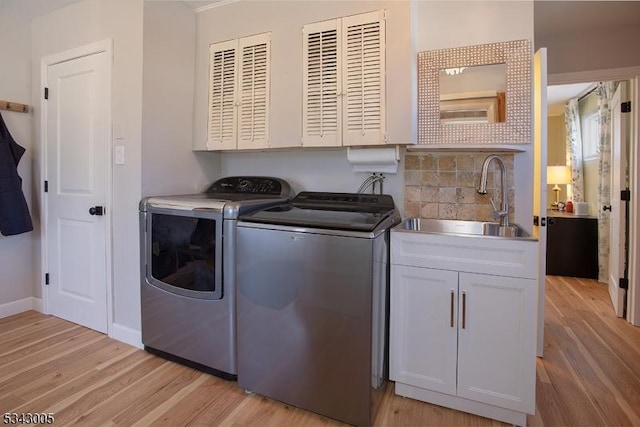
point(587, 145)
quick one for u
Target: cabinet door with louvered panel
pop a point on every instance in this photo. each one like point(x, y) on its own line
point(239, 93)
point(253, 86)
point(223, 66)
point(363, 79)
point(344, 81)
point(322, 106)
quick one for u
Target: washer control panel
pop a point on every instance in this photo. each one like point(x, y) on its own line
point(250, 184)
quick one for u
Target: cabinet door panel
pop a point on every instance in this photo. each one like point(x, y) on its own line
point(322, 84)
point(223, 117)
point(423, 327)
point(496, 344)
point(363, 79)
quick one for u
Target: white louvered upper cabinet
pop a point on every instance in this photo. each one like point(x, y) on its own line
point(239, 83)
point(344, 81)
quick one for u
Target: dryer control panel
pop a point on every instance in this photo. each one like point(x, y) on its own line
point(250, 184)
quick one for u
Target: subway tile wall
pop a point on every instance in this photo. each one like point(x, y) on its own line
point(443, 185)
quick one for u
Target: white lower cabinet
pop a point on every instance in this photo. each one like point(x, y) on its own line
point(464, 340)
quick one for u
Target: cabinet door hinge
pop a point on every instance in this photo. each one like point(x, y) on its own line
point(46, 279)
point(625, 195)
point(46, 93)
point(626, 107)
point(623, 283)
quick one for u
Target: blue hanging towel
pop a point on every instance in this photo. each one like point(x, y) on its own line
point(14, 212)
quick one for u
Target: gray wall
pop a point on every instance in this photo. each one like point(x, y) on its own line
point(17, 253)
point(610, 43)
point(169, 166)
point(76, 25)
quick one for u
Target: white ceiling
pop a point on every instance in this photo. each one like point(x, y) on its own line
point(28, 9)
point(197, 4)
point(557, 96)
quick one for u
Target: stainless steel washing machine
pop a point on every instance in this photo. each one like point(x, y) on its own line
point(188, 277)
point(312, 302)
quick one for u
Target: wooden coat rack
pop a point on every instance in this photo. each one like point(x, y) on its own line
point(14, 106)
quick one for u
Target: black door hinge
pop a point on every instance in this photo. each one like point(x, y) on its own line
point(46, 279)
point(46, 93)
point(623, 283)
point(539, 221)
point(625, 195)
point(46, 186)
point(626, 107)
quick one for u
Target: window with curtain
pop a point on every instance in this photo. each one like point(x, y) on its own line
point(590, 136)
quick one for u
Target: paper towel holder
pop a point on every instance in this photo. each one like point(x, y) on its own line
point(377, 159)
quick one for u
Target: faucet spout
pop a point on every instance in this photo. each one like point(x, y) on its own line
point(503, 213)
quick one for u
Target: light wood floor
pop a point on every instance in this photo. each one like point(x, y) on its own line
point(590, 376)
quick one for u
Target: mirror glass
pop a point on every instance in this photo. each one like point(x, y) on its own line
point(474, 94)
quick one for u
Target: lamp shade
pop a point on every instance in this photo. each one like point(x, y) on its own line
point(558, 175)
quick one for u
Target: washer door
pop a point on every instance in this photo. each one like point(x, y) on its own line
point(184, 252)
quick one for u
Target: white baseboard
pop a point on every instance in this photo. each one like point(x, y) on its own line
point(20, 306)
point(461, 404)
point(126, 334)
point(118, 332)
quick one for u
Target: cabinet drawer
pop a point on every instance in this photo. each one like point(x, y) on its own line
point(501, 257)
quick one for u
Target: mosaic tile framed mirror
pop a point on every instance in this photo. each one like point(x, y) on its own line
point(478, 94)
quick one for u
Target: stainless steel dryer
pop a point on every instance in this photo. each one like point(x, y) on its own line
point(312, 302)
point(188, 276)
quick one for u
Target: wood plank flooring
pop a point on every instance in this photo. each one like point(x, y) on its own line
point(589, 376)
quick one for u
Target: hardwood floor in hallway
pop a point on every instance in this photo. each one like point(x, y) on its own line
point(589, 376)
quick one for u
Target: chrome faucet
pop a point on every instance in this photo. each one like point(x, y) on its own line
point(503, 213)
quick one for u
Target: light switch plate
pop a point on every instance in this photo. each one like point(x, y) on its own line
point(119, 160)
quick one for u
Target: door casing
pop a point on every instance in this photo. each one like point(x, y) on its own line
point(631, 74)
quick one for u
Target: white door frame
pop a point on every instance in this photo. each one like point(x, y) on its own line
point(540, 180)
point(633, 298)
point(103, 46)
point(632, 74)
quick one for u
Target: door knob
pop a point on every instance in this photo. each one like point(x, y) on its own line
point(606, 208)
point(96, 210)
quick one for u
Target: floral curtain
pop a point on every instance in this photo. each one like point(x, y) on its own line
point(574, 150)
point(605, 91)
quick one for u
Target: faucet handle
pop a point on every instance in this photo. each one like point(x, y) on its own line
point(497, 213)
point(493, 205)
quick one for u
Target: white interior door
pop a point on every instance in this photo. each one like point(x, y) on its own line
point(618, 182)
point(540, 180)
point(77, 155)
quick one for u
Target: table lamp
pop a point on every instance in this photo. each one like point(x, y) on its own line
point(558, 175)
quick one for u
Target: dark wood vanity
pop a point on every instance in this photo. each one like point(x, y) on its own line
point(572, 245)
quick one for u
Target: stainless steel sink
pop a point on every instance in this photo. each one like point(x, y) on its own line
point(451, 226)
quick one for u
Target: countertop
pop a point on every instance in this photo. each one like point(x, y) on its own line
point(565, 214)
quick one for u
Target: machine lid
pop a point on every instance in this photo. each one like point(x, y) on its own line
point(185, 202)
point(230, 196)
point(335, 211)
point(353, 202)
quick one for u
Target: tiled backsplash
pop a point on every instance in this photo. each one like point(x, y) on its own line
point(443, 185)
